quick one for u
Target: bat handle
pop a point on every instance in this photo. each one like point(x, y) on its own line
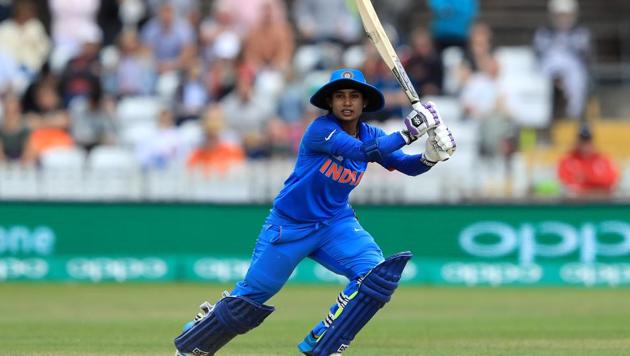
point(417, 105)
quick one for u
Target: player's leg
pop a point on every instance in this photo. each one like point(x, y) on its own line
point(352, 252)
point(273, 261)
point(275, 256)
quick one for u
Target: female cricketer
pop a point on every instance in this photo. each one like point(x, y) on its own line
point(311, 217)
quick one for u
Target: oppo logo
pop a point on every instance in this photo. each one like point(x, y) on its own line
point(222, 270)
point(524, 240)
point(20, 240)
point(117, 269)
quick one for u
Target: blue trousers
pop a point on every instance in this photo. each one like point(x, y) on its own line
point(340, 244)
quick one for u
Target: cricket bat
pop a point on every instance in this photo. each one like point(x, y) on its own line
point(378, 37)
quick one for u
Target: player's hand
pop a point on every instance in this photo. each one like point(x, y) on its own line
point(422, 118)
point(440, 145)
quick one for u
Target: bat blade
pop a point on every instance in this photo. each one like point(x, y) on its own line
point(377, 35)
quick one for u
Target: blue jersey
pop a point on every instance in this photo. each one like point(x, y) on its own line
point(331, 163)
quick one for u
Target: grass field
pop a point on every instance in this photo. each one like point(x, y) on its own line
point(142, 319)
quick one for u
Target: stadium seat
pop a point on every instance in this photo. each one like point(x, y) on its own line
point(62, 173)
point(113, 173)
point(63, 158)
point(528, 94)
point(449, 107)
point(528, 98)
point(19, 182)
point(516, 59)
point(133, 134)
point(141, 109)
point(170, 184)
point(232, 186)
point(111, 158)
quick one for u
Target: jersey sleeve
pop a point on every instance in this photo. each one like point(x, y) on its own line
point(326, 137)
point(410, 165)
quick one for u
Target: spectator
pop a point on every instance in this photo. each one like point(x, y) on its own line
point(109, 20)
point(5, 9)
point(219, 34)
point(480, 92)
point(247, 112)
point(82, 74)
point(185, 9)
point(132, 13)
point(92, 123)
point(72, 20)
point(222, 74)
point(24, 38)
point(13, 131)
point(135, 73)
point(483, 100)
point(563, 48)
point(171, 38)
point(278, 135)
point(480, 50)
point(192, 94)
point(451, 21)
point(396, 12)
point(215, 155)
point(48, 120)
point(270, 44)
point(165, 147)
point(10, 74)
point(424, 65)
point(46, 108)
point(326, 20)
point(480, 46)
point(584, 171)
point(379, 75)
point(291, 101)
point(247, 13)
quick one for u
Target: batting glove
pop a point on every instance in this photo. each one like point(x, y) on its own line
point(440, 146)
point(422, 118)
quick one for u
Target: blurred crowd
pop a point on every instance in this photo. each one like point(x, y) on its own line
point(208, 84)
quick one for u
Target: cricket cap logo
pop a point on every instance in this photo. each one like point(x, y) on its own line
point(347, 75)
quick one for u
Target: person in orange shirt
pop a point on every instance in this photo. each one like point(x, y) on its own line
point(48, 121)
point(214, 154)
point(584, 171)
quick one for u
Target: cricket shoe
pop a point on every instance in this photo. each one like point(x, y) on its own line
point(308, 344)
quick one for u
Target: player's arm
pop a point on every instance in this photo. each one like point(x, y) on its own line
point(321, 136)
point(440, 142)
point(333, 140)
point(411, 165)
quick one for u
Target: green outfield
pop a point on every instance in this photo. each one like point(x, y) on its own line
point(141, 319)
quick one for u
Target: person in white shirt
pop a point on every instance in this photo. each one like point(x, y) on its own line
point(24, 39)
point(563, 49)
